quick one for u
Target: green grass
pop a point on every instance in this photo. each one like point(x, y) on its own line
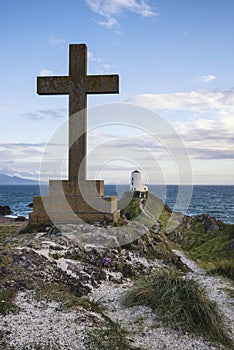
point(213, 250)
point(57, 292)
point(155, 206)
point(130, 209)
point(7, 297)
point(162, 213)
point(225, 268)
point(9, 231)
point(180, 302)
point(208, 245)
point(113, 337)
point(31, 228)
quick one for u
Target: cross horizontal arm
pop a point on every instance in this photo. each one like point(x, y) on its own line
point(102, 84)
point(53, 85)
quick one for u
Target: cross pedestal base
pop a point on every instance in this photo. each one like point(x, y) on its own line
point(73, 202)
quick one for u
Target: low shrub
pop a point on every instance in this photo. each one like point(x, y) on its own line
point(180, 302)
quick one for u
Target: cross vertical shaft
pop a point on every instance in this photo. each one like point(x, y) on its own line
point(77, 113)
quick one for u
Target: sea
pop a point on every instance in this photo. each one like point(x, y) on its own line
point(217, 200)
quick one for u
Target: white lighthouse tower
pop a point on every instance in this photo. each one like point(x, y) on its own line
point(140, 190)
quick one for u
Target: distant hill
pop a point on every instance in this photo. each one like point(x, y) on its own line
point(14, 180)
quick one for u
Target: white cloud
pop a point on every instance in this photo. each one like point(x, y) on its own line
point(208, 128)
point(101, 66)
point(46, 113)
point(90, 55)
point(110, 9)
point(22, 169)
point(25, 159)
point(93, 58)
point(207, 78)
point(20, 151)
point(107, 68)
point(208, 139)
point(4, 109)
point(221, 102)
point(61, 43)
point(45, 72)
point(109, 23)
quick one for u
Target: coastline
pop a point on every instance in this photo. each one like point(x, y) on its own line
point(216, 200)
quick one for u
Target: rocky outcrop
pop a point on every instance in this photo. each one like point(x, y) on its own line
point(61, 257)
point(5, 210)
point(209, 222)
point(187, 232)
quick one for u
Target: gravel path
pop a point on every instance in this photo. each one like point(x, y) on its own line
point(44, 323)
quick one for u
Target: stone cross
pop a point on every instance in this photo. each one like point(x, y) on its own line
point(77, 85)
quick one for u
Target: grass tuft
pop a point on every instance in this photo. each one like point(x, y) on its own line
point(182, 302)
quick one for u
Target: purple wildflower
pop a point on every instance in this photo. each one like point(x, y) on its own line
point(107, 261)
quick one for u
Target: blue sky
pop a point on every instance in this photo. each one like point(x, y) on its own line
point(173, 57)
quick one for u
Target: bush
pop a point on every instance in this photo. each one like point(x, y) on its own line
point(179, 301)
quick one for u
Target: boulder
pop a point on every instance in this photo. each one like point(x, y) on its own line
point(5, 210)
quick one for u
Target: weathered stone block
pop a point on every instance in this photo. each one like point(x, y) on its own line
point(65, 204)
point(89, 188)
point(75, 204)
point(73, 218)
point(39, 218)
